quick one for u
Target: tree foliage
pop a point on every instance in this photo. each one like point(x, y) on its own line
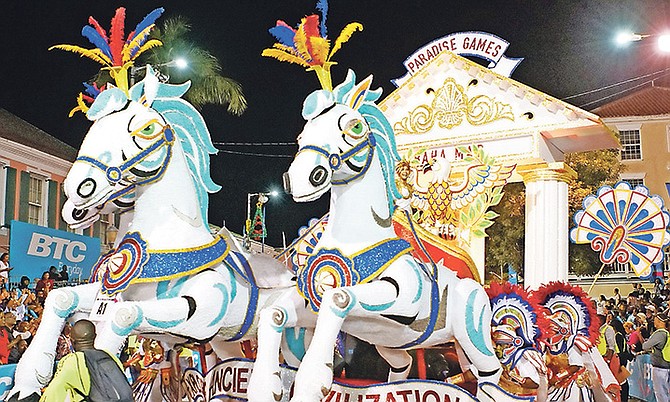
point(505, 243)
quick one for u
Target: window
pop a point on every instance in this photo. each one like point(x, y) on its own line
point(637, 181)
point(631, 144)
point(36, 201)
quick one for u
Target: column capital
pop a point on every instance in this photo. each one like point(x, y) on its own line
point(553, 171)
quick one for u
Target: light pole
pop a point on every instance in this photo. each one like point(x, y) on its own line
point(263, 198)
point(179, 62)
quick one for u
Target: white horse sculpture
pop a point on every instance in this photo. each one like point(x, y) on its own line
point(172, 279)
point(361, 279)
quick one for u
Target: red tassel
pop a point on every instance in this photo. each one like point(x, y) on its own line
point(98, 28)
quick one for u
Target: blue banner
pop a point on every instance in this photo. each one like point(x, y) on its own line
point(6, 379)
point(33, 249)
point(640, 383)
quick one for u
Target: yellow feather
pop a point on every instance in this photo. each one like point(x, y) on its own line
point(287, 49)
point(93, 54)
point(344, 36)
point(149, 45)
point(135, 43)
point(320, 48)
point(284, 56)
point(300, 40)
point(81, 106)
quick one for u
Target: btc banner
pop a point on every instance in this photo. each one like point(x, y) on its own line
point(33, 249)
point(639, 382)
point(230, 379)
point(6, 379)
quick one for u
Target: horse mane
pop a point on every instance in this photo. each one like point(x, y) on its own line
point(189, 127)
point(381, 130)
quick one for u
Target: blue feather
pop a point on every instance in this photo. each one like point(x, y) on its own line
point(148, 20)
point(284, 35)
point(322, 6)
point(96, 40)
point(90, 90)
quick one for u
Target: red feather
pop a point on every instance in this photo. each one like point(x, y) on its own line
point(98, 28)
point(311, 27)
point(116, 39)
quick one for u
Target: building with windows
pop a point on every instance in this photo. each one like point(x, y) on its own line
point(33, 165)
point(642, 119)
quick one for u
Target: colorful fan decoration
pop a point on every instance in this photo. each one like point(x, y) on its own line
point(571, 314)
point(296, 254)
point(624, 225)
point(308, 44)
point(114, 51)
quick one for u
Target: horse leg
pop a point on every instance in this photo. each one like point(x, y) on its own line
point(265, 384)
point(474, 337)
point(315, 374)
point(399, 360)
point(35, 369)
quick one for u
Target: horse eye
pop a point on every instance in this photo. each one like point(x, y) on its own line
point(148, 130)
point(355, 128)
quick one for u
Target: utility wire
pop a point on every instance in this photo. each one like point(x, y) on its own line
point(615, 94)
point(255, 154)
point(618, 83)
point(253, 144)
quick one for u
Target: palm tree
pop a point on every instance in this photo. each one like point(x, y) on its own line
point(204, 69)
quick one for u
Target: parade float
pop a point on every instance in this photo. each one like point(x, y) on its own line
point(397, 262)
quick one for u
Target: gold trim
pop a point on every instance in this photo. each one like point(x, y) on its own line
point(555, 171)
point(449, 108)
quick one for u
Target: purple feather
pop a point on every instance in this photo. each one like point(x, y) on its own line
point(97, 40)
point(148, 20)
point(284, 34)
point(322, 7)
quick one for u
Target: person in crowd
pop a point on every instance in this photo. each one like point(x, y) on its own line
point(600, 305)
point(45, 284)
point(660, 370)
point(624, 357)
point(24, 283)
point(4, 267)
point(634, 338)
point(63, 275)
point(607, 345)
point(64, 345)
point(53, 273)
point(617, 296)
point(72, 378)
point(16, 352)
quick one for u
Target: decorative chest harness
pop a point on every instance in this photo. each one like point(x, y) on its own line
point(330, 268)
point(132, 262)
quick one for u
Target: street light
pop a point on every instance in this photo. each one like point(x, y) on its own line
point(110, 235)
point(662, 40)
point(179, 62)
point(262, 199)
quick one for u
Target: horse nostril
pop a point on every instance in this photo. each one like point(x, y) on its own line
point(86, 188)
point(287, 183)
point(79, 214)
point(318, 176)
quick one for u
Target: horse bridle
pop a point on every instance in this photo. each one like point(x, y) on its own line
point(114, 174)
point(335, 161)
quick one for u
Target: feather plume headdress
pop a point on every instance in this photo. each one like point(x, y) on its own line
point(308, 44)
point(116, 53)
point(570, 310)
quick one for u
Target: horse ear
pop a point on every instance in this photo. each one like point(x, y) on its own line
point(358, 94)
point(150, 87)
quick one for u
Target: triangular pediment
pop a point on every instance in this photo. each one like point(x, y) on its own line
point(453, 101)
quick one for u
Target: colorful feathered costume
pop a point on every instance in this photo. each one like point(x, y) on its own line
point(517, 326)
point(577, 371)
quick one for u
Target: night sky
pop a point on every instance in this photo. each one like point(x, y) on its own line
point(567, 47)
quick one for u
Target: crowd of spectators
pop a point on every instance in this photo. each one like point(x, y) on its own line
point(635, 318)
point(21, 306)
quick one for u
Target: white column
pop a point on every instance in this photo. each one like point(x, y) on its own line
point(546, 243)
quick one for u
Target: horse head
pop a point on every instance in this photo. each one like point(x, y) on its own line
point(344, 131)
point(132, 141)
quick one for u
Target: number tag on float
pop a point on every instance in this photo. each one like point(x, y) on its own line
point(102, 306)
